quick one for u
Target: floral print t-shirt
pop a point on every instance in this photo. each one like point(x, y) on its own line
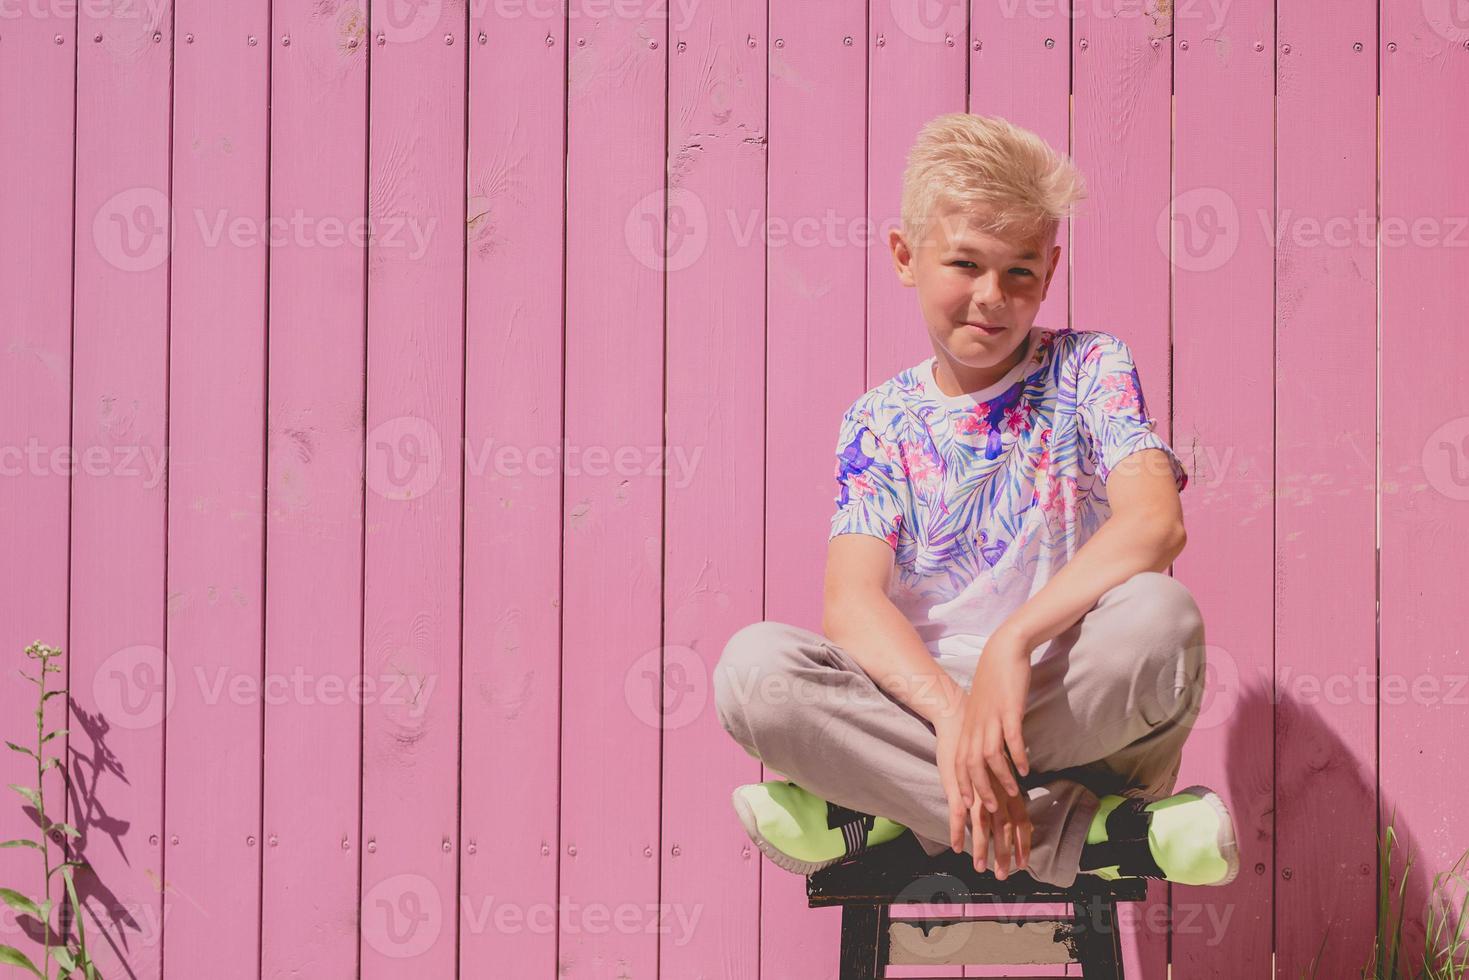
point(986, 495)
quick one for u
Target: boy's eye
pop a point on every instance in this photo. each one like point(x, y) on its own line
point(1021, 270)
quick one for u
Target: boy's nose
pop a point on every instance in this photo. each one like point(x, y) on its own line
point(987, 290)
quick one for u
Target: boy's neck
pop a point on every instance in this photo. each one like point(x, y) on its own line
point(945, 378)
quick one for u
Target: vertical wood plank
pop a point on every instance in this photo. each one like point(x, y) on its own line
point(1223, 270)
point(119, 684)
point(412, 593)
point(513, 464)
point(917, 69)
point(715, 261)
point(38, 79)
point(1015, 74)
point(1325, 501)
point(314, 491)
point(1120, 138)
point(815, 367)
point(216, 386)
point(612, 520)
point(1423, 254)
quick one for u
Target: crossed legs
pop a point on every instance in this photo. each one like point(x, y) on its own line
point(1109, 708)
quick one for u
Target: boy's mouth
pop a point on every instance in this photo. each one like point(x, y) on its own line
point(988, 328)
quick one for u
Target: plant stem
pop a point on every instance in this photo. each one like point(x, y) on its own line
point(41, 796)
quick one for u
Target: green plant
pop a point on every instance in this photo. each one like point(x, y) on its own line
point(1446, 948)
point(1442, 959)
point(1441, 954)
point(71, 957)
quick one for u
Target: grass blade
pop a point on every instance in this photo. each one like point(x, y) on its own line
point(13, 956)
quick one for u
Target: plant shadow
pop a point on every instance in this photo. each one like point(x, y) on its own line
point(1321, 827)
point(109, 917)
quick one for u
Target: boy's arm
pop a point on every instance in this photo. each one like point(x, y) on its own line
point(1144, 533)
point(858, 616)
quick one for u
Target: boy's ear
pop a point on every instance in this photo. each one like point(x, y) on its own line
point(1051, 269)
point(902, 256)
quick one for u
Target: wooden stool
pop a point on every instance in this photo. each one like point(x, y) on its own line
point(900, 873)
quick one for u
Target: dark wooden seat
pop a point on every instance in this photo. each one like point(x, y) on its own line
point(900, 873)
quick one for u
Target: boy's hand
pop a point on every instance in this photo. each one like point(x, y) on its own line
point(992, 715)
point(948, 728)
point(1012, 831)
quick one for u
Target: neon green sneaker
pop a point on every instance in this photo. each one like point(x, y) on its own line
point(800, 831)
point(1187, 838)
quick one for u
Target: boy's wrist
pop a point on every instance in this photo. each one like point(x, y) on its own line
point(1016, 634)
point(949, 703)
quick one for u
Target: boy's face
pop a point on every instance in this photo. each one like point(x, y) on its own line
point(965, 277)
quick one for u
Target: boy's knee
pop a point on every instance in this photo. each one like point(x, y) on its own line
point(1162, 602)
point(752, 648)
point(738, 679)
point(751, 652)
point(1172, 642)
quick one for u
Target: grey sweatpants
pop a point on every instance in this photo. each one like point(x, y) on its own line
point(1111, 701)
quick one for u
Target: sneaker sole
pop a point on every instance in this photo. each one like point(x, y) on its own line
point(775, 854)
point(1228, 846)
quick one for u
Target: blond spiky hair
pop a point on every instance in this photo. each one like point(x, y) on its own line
point(986, 164)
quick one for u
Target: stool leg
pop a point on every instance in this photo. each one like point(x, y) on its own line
point(1098, 941)
point(864, 942)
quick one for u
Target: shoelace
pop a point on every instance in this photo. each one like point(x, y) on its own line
point(855, 827)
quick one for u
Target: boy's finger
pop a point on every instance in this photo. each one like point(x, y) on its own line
point(981, 841)
point(966, 789)
point(995, 760)
point(1001, 768)
point(1016, 744)
point(956, 827)
point(979, 776)
point(1002, 848)
point(1023, 830)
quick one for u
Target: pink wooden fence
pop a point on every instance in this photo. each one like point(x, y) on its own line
point(400, 529)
